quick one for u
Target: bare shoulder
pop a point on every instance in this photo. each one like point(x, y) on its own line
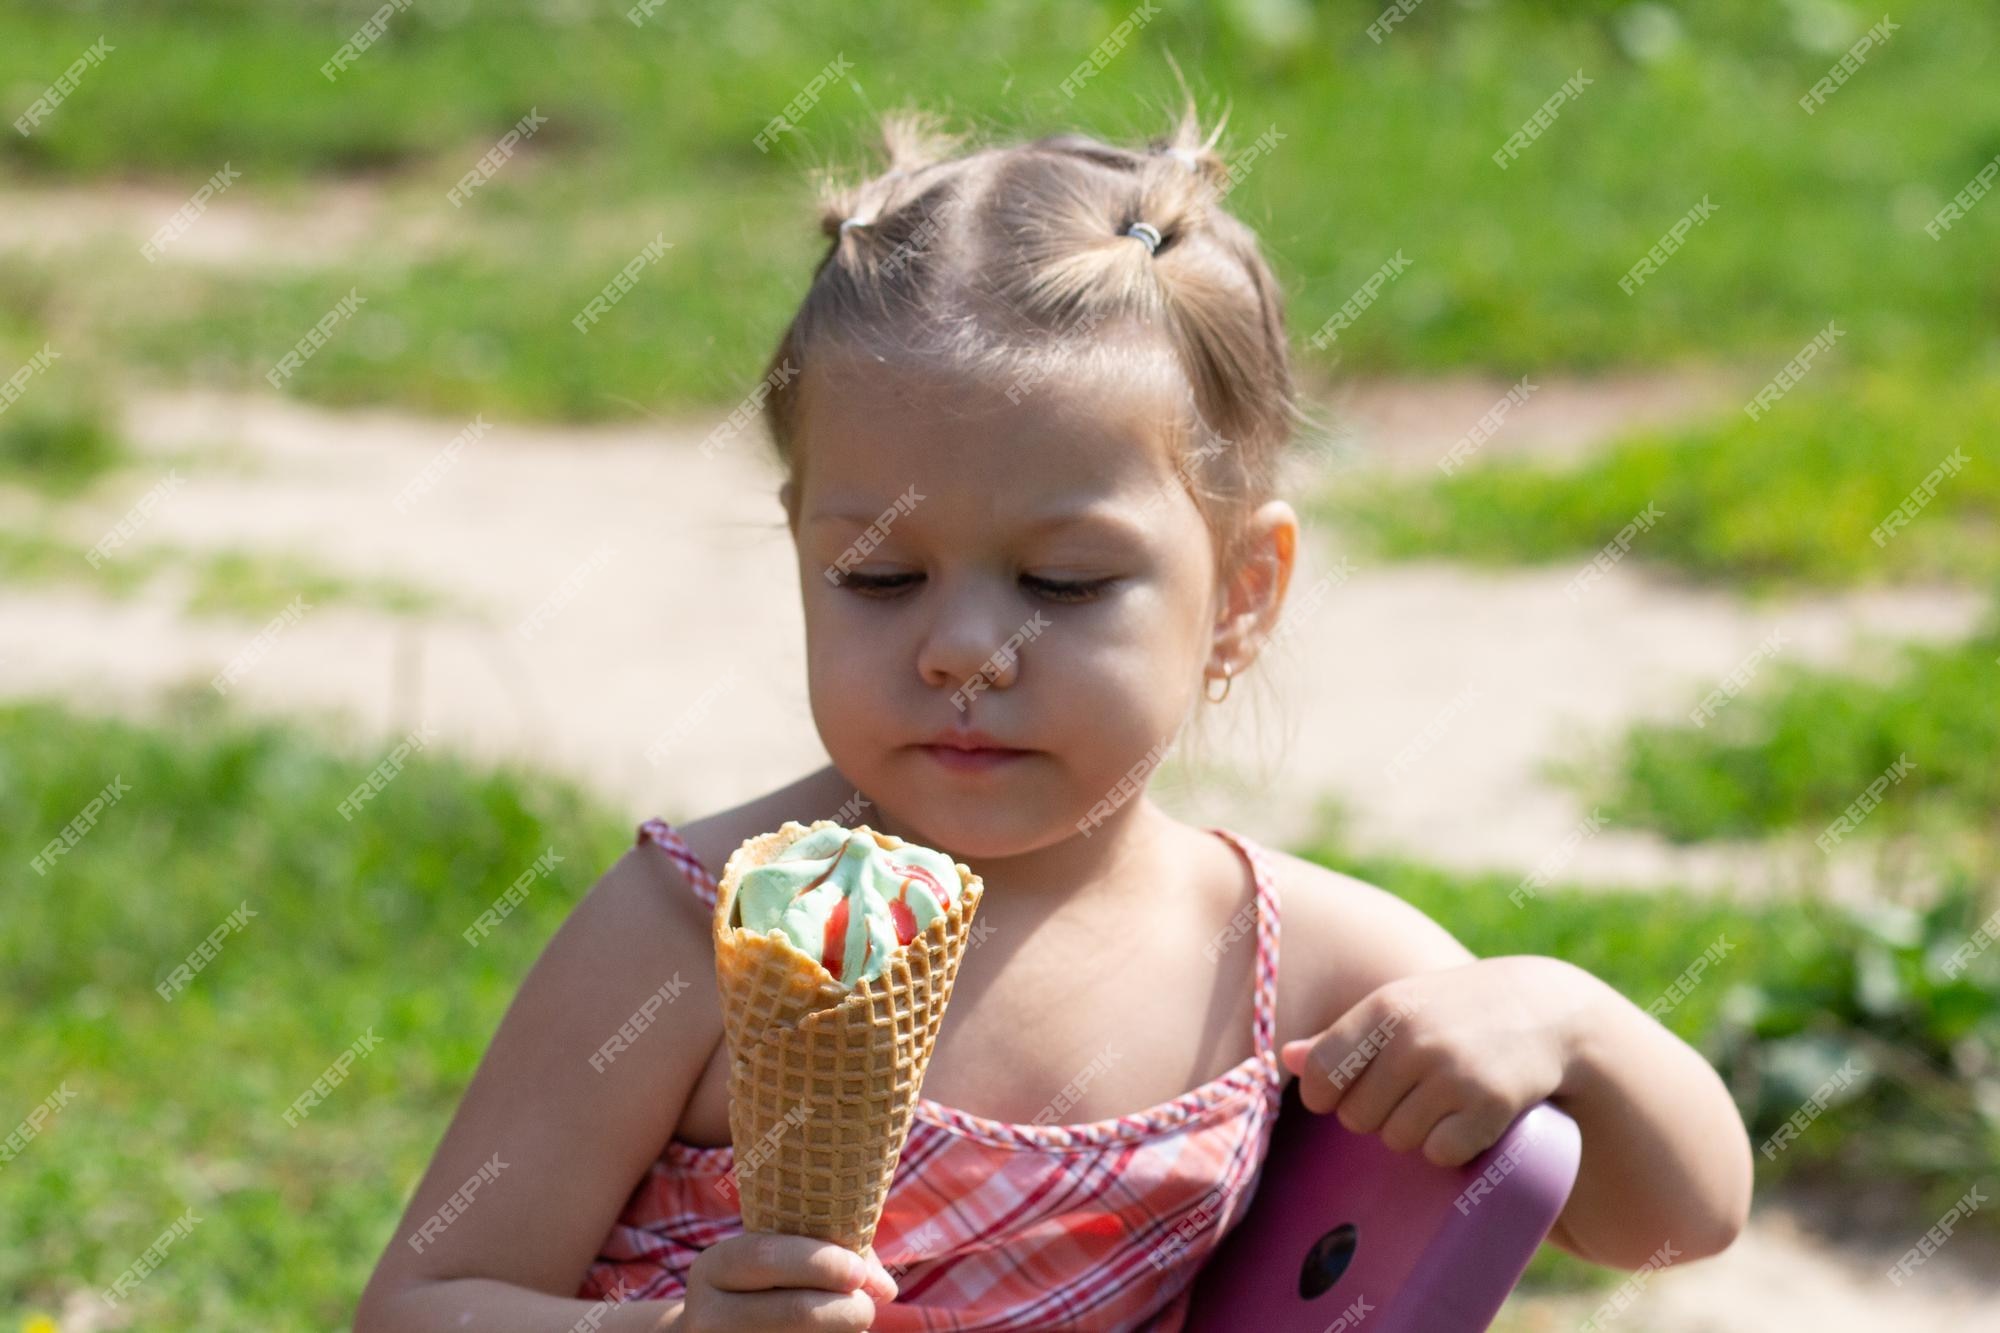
point(1342, 937)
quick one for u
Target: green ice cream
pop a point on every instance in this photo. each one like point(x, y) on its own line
point(841, 897)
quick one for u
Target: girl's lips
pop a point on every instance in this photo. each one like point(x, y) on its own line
point(972, 761)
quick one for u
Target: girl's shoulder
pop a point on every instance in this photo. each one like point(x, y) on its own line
point(1343, 937)
point(713, 838)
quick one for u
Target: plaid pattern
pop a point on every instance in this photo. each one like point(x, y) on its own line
point(995, 1226)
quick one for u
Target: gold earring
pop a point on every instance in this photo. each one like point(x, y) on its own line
point(1227, 671)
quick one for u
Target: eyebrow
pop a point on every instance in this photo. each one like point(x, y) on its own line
point(1112, 520)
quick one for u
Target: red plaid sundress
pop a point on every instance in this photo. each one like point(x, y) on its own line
point(996, 1226)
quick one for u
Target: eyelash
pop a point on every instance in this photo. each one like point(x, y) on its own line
point(883, 586)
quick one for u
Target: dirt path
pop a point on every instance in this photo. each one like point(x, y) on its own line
point(1423, 697)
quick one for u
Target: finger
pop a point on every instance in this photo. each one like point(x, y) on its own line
point(804, 1311)
point(1461, 1136)
point(1339, 1055)
point(1365, 1103)
point(881, 1282)
point(760, 1261)
point(1417, 1114)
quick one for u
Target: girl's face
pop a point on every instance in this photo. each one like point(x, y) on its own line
point(1030, 569)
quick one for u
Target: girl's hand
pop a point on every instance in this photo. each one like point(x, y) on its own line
point(1446, 1060)
point(763, 1281)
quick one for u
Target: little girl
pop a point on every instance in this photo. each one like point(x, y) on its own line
point(1029, 417)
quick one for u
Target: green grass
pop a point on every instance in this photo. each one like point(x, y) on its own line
point(1793, 498)
point(1800, 989)
point(1387, 148)
point(181, 1104)
point(1803, 743)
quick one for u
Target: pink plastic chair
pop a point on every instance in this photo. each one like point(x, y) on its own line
point(1341, 1227)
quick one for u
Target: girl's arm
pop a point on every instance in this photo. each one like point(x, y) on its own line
point(545, 1147)
point(1436, 1049)
point(1667, 1167)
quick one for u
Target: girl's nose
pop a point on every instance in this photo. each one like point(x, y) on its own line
point(970, 648)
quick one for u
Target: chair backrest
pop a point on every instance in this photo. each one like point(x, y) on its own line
point(1341, 1227)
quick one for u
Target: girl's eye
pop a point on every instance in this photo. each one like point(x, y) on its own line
point(1060, 591)
point(888, 585)
point(875, 585)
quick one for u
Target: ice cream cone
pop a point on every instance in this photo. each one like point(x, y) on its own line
point(823, 1078)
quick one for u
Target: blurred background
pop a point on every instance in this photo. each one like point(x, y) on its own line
point(1646, 617)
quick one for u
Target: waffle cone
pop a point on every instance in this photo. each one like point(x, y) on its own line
point(822, 1078)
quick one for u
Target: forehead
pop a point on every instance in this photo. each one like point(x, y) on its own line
point(1001, 451)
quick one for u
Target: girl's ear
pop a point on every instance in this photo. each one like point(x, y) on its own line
point(1255, 596)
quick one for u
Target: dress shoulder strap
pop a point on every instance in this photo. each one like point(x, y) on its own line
point(669, 840)
point(1264, 1021)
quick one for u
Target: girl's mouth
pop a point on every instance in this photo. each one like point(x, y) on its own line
point(981, 760)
